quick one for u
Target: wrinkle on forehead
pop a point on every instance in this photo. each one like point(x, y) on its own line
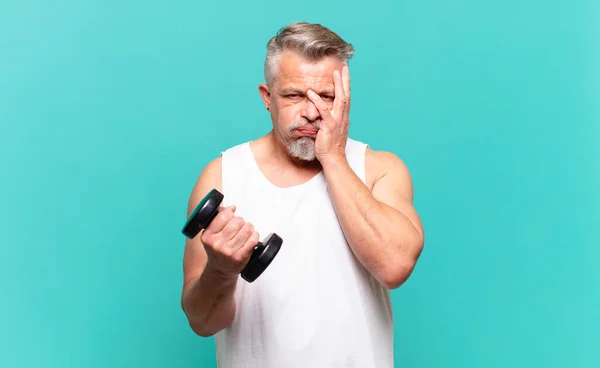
point(301, 74)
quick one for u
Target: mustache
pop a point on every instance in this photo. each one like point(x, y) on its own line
point(303, 123)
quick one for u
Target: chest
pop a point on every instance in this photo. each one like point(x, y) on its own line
point(314, 252)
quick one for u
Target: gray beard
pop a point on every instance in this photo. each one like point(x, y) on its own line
point(303, 148)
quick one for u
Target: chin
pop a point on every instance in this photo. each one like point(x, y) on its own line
point(302, 148)
point(308, 159)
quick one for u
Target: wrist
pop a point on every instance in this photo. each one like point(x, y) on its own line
point(333, 160)
point(217, 276)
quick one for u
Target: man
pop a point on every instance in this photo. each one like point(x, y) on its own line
point(344, 211)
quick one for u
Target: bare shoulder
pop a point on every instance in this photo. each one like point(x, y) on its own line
point(387, 171)
point(208, 179)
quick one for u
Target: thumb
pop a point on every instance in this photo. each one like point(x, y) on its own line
point(232, 208)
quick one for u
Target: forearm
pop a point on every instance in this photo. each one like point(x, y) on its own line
point(209, 303)
point(383, 238)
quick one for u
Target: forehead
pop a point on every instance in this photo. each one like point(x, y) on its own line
point(298, 72)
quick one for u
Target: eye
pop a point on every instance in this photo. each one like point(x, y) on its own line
point(327, 97)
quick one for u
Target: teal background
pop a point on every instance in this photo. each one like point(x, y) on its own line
point(109, 110)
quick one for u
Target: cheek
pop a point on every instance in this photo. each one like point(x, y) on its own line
point(289, 112)
point(284, 114)
point(280, 120)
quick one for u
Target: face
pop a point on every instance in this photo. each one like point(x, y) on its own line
point(295, 118)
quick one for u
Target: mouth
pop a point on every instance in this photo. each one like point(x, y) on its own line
point(304, 132)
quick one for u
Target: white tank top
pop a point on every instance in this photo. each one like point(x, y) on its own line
point(315, 305)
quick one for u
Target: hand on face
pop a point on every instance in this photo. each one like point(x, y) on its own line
point(333, 133)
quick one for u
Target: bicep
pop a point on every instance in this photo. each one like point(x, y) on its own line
point(194, 256)
point(395, 187)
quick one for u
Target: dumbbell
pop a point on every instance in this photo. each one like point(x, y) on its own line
point(262, 255)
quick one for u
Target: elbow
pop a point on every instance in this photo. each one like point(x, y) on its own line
point(204, 327)
point(396, 275)
point(200, 330)
point(399, 270)
point(196, 325)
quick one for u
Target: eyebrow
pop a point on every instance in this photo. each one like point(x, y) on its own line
point(288, 90)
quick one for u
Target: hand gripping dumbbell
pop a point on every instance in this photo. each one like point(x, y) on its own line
point(263, 253)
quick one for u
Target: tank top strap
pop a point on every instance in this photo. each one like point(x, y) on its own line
point(235, 164)
point(355, 155)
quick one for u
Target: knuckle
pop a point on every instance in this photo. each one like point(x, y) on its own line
point(238, 257)
point(224, 216)
point(216, 243)
point(252, 241)
point(227, 252)
point(248, 229)
point(205, 238)
point(237, 222)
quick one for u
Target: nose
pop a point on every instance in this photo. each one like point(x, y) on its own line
point(310, 111)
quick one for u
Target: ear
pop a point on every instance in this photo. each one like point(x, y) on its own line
point(265, 94)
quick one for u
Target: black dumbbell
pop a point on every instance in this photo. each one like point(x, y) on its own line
point(207, 210)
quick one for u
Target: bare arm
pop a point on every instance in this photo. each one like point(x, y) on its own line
point(381, 225)
point(207, 296)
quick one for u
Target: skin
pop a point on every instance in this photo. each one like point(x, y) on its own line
point(379, 221)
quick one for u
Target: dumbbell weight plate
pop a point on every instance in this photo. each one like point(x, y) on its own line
point(203, 214)
point(261, 257)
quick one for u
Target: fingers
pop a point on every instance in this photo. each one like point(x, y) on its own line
point(236, 226)
point(241, 248)
point(249, 245)
point(327, 119)
point(346, 81)
point(229, 241)
point(234, 234)
point(319, 104)
point(341, 103)
point(239, 245)
point(221, 220)
point(341, 100)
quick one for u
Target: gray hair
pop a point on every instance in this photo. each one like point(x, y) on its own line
point(312, 41)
